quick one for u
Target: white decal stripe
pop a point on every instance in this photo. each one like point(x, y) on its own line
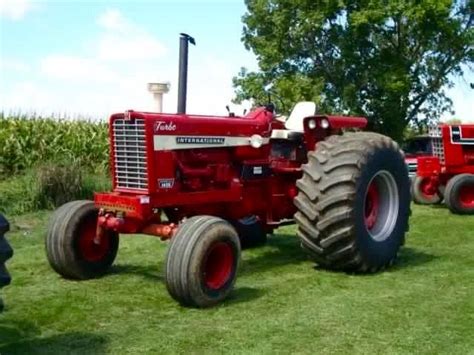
point(169, 142)
point(462, 141)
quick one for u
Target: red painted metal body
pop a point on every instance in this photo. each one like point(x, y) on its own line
point(454, 154)
point(187, 165)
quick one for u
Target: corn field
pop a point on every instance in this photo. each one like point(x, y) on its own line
point(28, 141)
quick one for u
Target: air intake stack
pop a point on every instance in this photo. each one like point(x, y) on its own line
point(184, 41)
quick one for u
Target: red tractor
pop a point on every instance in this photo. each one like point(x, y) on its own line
point(449, 174)
point(212, 185)
point(415, 147)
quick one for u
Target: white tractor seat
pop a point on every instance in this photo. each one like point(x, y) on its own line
point(301, 110)
point(294, 123)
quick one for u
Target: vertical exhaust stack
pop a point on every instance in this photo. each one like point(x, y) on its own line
point(184, 41)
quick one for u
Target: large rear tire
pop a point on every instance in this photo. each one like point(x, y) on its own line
point(71, 247)
point(423, 194)
point(202, 261)
point(460, 194)
point(354, 202)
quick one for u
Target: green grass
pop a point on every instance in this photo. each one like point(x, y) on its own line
point(281, 304)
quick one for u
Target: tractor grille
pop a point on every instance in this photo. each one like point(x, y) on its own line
point(412, 169)
point(435, 133)
point(130, 154)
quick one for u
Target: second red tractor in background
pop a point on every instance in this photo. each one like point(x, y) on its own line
point(449, 174)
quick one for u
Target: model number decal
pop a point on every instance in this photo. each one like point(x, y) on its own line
point(200, 140)
point(165, 183)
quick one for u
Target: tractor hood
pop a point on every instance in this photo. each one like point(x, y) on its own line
point(163, 124)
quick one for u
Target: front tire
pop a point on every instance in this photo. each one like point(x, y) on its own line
point(354, 202)
point(460, 194)
point(423, 194)
point(202, 261)
point(71, 248)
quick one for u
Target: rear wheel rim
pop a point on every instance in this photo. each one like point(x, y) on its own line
point(381, 206)
point(218, 265)
point(91, 248)
point(466, 196)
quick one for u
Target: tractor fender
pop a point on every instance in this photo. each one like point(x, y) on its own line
point(337, 122)
point(318, 127)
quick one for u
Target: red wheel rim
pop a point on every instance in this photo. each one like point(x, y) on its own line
point(218, 265)
point(426, 188)
point(466, 196)
point(91, 248)
point(372, 202)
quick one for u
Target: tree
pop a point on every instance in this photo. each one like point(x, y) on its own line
point(388, 60)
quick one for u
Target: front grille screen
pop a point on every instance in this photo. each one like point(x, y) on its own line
point(435, 133)
point(130, 154)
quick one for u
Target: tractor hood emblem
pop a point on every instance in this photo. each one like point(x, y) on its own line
point(161, 126)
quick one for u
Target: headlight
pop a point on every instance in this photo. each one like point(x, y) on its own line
point(312, 124)
point(324, 123)
point(256, 141)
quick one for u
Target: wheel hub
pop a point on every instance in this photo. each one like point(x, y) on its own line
point(372, 205)
point(427, 188)
point(92, 248)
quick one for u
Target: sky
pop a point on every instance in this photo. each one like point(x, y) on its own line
point(92, 58)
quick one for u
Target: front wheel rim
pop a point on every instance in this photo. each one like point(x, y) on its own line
point(381, 206)
point(218, 265)
point(426, 188)
point(91, 248)
point(466, 196)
